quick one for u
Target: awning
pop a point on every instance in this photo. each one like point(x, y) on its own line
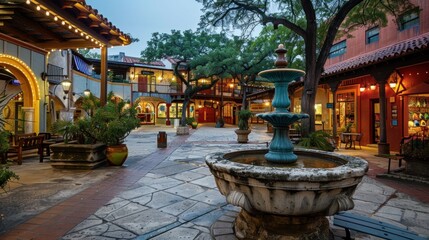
point(81, 65)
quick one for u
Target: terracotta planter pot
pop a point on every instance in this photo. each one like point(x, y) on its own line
point(116, 155)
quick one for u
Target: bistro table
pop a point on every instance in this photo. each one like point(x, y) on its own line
point(350, 139)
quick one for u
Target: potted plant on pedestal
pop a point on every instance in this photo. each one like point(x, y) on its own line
point(243, 130)
point(89, 141)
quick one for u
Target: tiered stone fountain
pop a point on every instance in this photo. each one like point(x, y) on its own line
point(285, 193)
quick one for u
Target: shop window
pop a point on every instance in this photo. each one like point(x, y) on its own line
point(418, 109)
point(338, 49)
point(408, 20)
point(318, 113)
point(162, 110)
point(346, 109)
point(372, 35)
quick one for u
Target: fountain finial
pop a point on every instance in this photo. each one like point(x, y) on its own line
point(281, 61)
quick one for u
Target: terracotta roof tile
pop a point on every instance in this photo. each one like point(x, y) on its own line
point(138, 60)
point(379, 55)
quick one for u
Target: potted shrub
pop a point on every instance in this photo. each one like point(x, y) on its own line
point(243, 130)
point(114, 122)
point(89, 141)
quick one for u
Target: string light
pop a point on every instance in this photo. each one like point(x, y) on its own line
point(47, 13)
point(38, 8)
point(28, 2)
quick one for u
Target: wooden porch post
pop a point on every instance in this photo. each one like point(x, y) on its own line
point(381, 75)
point(103, 82)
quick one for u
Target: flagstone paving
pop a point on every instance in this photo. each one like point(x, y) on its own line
point(171, 194)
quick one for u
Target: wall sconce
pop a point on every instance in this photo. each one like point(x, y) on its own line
point(392, 84)
point(66, 86)
point(362, 88)
point(372, 87)
point(87, 92)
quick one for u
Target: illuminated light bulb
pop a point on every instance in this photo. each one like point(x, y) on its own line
point(55, 18)
point(28, 2)
point(81, 34)
point(87, 37)
point(92, 39)
point(63, 23)
point(38, 8)
point(47, 13)
point(70, 27)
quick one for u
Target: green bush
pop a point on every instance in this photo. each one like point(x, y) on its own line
point(243, 119)
point(318, 140)
point(6, 175)
point(108, 124)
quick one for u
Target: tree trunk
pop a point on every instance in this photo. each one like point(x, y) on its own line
point(184, 109)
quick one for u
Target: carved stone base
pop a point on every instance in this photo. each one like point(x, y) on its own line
point(182, 130)
point(263, 226)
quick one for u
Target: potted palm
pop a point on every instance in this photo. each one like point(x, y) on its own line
point(115, 122)
point(89, 141)
point(243, 130)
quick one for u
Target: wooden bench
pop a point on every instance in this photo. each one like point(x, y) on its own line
point(391, 157)
point(25, 142)
point(373, 227)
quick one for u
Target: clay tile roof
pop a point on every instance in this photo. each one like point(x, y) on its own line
point(128, 59)
point(393, 51)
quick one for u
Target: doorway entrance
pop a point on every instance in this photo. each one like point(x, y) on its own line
point(375, 121)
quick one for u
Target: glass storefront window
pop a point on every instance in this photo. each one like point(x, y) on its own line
point(162, 110)
point(346, 109)
point(418, 115)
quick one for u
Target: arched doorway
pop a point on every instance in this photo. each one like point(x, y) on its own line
point(22, 95)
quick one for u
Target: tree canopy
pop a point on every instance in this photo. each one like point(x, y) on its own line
point(198, 54)
point(317, 22)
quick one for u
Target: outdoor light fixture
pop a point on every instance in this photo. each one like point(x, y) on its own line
point(362, 88)
point(392, 84)
point(372, 87)
point(66, 86)
point(87, 92)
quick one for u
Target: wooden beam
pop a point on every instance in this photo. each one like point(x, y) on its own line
point(17, 33)
point(37, 27)
point(6, 12)
point(76, 43)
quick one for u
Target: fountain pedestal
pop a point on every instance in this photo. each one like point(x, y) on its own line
point(264, 226)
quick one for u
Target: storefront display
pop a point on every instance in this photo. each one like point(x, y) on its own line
point(418, 118)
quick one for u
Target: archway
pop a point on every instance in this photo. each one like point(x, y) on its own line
point(29, 87)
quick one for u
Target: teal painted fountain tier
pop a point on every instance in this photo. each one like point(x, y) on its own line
point(281, 147)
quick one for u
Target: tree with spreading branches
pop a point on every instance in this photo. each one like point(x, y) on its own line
point(317, 22)
point(199, 54)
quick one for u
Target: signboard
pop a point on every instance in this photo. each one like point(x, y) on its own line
point(329, 105)
point(147, 72)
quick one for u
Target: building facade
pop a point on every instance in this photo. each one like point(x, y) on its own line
point(377, 81)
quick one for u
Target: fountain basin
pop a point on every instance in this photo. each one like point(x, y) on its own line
point(274, 198)
point(289, 191)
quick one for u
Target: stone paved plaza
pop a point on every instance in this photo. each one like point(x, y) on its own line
point(176, 196)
